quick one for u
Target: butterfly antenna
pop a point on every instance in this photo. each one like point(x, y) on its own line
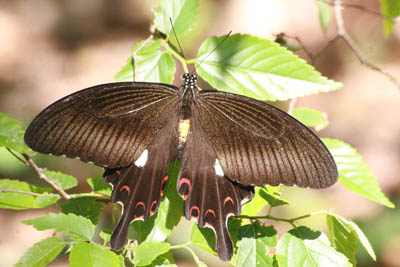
point(176, 38)
point(215, 48)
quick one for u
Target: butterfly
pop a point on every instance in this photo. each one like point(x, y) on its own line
point(227, 144)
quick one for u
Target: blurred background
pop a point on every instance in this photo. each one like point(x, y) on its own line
point(49, 49)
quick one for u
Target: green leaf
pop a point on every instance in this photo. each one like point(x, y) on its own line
point(42, 252)
point(273, 199)
point(252, 247)
point(354, 173)
point(324, 12)
point(20, 201)
point(99, 186)
point(258, 68)
point(344, 235)
point(143, 47)
point(183, 14)
point(84, 206)
point(303, 247)
point(106, 235)
point(159, 226)
point(203, 238)
point(390, 9)
point(311, 118)
point(147, 252)
point(92, 255)
point(255, 205)
point(155, 66)
point(164, 260)
point(69, 223)
point(45, 200)
point(12, 134)
point(62, 180)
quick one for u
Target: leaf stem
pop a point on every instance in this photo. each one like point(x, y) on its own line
point(167, 46)
point(290, 220)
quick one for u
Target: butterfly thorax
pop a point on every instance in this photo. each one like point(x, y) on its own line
point(188, 92)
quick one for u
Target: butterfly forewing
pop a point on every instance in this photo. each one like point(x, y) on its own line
point(258, 144)
point(109, 125)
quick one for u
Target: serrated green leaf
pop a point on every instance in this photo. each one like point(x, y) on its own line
point(62, 180)
point(99, 186)
point(41, 253)
point(354, 173)
point(12, 134)
point(159, 226)
point(203, 238)
point(344, 235)
point(155, 66)
point(342, 238)
point(311, 118)
point(303, 247)
point(92, 255)
point(19, 201)
point(252, 247)
point(45, 200)
point(84, 206)
point(258, 68)
point(324, 13)
point(390, 9)
point(147, 252)
point(69, 223)
point(183, 14)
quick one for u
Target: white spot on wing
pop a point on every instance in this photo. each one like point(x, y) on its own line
point(218, 169)
point(141, 161)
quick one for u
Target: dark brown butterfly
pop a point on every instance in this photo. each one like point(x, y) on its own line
point(227, 144)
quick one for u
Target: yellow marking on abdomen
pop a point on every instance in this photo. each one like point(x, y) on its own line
point(183, 127)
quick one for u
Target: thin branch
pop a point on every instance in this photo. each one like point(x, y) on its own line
point(292, 104)
point(338, 6)
point(42, 176)
point(362, 8)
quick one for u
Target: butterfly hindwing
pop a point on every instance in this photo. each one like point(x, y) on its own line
point(139, 187)
point(258, 144)
point(109, 125)
point(209, 198)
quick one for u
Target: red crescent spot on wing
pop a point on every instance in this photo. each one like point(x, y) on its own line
point(153, 204)
point(210, 211)
point(140, 203)
point(229, 199)
point(198, 212)
point(125, 187)
point(189, 184)
point(163, 181)
point(118, 172)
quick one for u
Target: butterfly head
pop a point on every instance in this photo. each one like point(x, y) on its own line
point(189, 80)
